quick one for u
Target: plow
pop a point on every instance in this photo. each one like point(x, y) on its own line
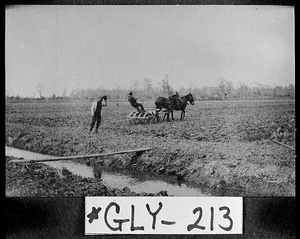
point(146, 117)
point(143, 117)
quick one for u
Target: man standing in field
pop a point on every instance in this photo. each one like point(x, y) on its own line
point(96, 113)
point(134, 103)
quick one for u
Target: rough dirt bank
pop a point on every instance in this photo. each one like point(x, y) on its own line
point(39, 180)
point(219, 166)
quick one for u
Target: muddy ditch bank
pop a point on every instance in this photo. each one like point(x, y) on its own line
point(229, 174)
point(40, 180)
point(136, 181)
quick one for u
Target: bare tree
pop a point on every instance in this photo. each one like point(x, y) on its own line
point(243, 90)
point(148, 89)
point(167, 89)
point(40, 87)
point(225, 88)
point(64, 93)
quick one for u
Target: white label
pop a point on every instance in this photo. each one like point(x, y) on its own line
point(163, 215)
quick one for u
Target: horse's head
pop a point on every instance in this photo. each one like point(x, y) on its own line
point(190, 98)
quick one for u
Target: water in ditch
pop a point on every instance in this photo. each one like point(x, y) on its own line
point(119, 178)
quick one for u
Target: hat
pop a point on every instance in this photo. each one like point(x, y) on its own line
point(130, 93)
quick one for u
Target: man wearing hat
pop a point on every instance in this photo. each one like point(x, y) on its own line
point(96, 113)
point(133, 102)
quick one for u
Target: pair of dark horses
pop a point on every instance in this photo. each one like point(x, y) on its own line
point(171, 103)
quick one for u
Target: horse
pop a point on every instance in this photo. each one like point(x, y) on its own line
point(173, 102)
point(162, 102)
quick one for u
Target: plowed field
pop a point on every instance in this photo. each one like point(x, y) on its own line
point(223, 144)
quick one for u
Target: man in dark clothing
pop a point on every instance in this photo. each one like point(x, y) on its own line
point(96, 113)
point(172, 100)
point(133, 102)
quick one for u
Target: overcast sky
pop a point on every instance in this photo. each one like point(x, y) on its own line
point(79, 47)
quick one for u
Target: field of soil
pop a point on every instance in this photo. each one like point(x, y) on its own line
point(220, 144)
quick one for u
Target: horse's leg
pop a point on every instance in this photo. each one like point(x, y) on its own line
point(166, 114)
point(157, 110)
point(172, 115)
point(168, 117)
point(182, 115)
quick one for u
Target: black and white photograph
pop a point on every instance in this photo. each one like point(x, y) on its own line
point(149, 100)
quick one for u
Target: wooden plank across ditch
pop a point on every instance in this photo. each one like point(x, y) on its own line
point(77, 157)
